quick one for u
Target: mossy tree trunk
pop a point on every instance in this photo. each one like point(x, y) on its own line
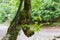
point(27, 9)
point(26, 13)
point(12, 32)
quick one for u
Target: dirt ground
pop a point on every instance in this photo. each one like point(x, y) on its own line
point(46, 33)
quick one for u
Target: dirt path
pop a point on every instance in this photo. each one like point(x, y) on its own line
point(44, 34)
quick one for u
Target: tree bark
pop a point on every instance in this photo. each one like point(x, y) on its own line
point(13, 30)
point(27, 9)
point(26, 13)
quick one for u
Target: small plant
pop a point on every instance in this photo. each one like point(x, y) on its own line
point(34, 27)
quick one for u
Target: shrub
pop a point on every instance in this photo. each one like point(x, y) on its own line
point(7, 11)
point(48, 11)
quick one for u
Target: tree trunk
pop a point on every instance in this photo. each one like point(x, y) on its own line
point(27, 9)
point(26, 13)
point(13, 30)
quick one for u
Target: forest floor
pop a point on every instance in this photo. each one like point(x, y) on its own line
point(47, 33)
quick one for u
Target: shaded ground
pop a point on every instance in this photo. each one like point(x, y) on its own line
point(47, 33)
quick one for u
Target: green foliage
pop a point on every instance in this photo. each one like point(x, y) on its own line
point(36, 4)
point(42, 10)
point(0, 1)
point(48, 11)
point(7, 12)
point(35, 27)
point(36, 16)
point(14, 2)
point(2, 15)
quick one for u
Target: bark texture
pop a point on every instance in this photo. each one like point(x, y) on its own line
point(13, 30)
point(26, 13)
point(27, 9)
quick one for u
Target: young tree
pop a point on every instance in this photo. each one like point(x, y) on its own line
point(12, 32)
